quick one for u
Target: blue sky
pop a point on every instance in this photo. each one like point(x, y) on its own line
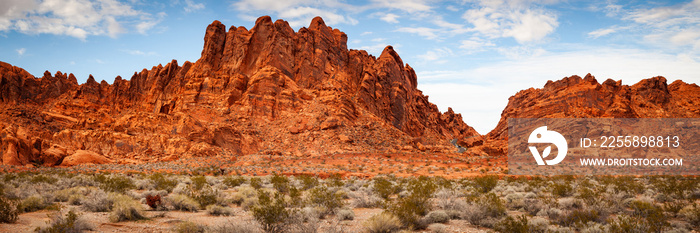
point(469, 55)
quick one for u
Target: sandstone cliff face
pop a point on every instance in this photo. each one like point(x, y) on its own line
point(576, 97)
point(267, 90)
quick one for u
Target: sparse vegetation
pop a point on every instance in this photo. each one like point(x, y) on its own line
point(303, 203)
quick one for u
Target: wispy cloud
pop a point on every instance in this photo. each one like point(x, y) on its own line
point(522, 21)
point(139, 52)
point(75, 18)
point(190, 6)
point(297, 12)
point(21, 51)
point(390, 18)
point(428, 33)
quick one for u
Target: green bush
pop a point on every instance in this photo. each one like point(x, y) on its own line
point(383, 223)
point(691, 214)
point(233, 181)
point(561, 189)
point(384, 188)
point(126, 209)
point(8, 210)
point(653, 214)
point(280, 183)
point(410, 209)
point(271, 212)
point(324, 198)
point(484, 184)
point(256, 182)
point(33, 203)
point(580, 216)
point(627, 224)
point(160, 182)
point(307, 181)
point(514, 225)
point(492, 205)
point(182, 202)
point(43, 179)
point(189, 227)
point(71, 223)
point(202, 193)
point(115, 183)
point(198, 182)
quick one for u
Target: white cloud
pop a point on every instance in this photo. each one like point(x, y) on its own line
point(493, 84)
point(520, 20)
point(190, 6)
point(410, 6)
point(390, 18)
point(298, 12)
point(475, 44)
point(436, 54)
point(76, 18)
point(602, 32)
point(366, 33)
point(99, 61)
point(139, 52)
point(21, 51)
point(428, 33)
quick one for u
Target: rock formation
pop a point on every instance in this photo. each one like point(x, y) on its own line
point(576, 97)
point(267, 90)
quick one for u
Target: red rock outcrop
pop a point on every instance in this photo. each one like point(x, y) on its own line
point(576, 97)
point(267, 90)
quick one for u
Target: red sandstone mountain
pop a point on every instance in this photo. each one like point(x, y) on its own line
point(576, 97)
point(267, 90)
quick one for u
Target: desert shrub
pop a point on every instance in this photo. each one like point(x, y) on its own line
point(144, 184)
point(126, 209)
point(160, 182)
point(538, 225)
point(115, 183)
point(235, 227)
point(65, 194)
point(484, 184)
point(580, 216)
point(97, 201)
point(75, 199)
point(218, 210)
point(625, 223)
point(43, 179)
point(154, 201)
point(384, 188)
point(256, 182)
point(383, 223)
point(691, 214)
point(561, 189)
point(515, 200)
point(271, 212)
point(189, 227)
point(363, 198)
point(71, 223)
point(233, 181)
point(570, 203)
point(335, 180)
point(8, 210)
point(345, 214)
point(307, 181)
point(673, 207)
point(280, 183)
point(411, 208)
point(653, 215)
point(492, 205)
point(676, 187)
point(515, 225)
point(33, 203)
point(200, 191)
point(182, 202)
point(437, 216)
point(437, 228)
point(325, 198)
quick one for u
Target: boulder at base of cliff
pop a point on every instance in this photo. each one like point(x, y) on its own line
point(84, 157)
